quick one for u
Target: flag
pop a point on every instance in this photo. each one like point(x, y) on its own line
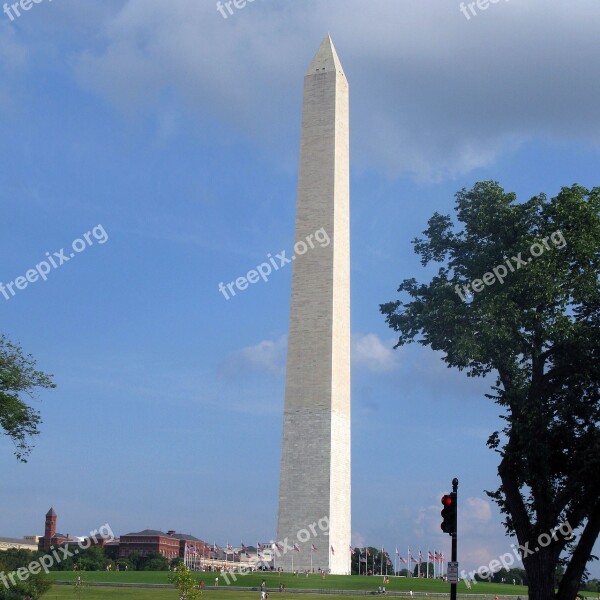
point(403, 560)
point(351, 549)
point(313, 548)
point(296, 548)
point(367, 551)
point(429, 555)
point(332, 550)
point(279, 547)
point(260, 547)
point(244, 548)
point(247, 555)
point(397, 553)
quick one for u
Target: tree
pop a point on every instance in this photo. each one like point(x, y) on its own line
point(156, 562)
point(19, 376)
point(425, 569)
point(35, 585)
point(182, 578)
point(534, 323)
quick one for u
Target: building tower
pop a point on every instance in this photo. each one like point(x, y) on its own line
point(314, 486)
point(49, 530)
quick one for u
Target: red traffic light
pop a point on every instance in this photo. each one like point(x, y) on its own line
point(449, 513)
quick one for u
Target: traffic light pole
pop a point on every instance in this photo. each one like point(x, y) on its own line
point(454, 541)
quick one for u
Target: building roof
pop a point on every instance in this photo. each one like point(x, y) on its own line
point(157, 533)
point(8, 540)
point(148, 533)
point(51, 513)
point(187, 537)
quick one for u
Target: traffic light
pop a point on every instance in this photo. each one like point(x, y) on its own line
point(449, 513)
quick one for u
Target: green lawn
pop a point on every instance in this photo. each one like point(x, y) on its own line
point(63, 592)
point(331, 582)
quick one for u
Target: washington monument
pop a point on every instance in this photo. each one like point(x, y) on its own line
point(314, 488)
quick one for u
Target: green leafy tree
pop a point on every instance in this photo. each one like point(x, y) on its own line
point(92, 559)
point(18, 377)
point(34, 585)
point(535, 325)
point(426, 570)
point(182, 578)
point(156, 562)
point(136, 559)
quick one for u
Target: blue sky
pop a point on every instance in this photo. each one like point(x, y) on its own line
point(177, 131)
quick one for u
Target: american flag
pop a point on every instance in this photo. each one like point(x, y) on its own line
point(279, 547)
point(260, 547)
point(402, 560)
point(332, 550)
point(296, 548)
point(313, 548)
point(429, 555)
point(216, 548)
point(244, 548)
point(397, 553)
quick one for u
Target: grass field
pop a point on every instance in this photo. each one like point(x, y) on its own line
point(331, 582)
point(253, 580)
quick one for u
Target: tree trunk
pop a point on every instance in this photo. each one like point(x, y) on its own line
point(540, 568)
point(571, 580)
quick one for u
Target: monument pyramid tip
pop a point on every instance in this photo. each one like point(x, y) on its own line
point(326, 58)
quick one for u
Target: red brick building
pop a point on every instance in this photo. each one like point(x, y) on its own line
point(194, 545)
point(170, 544)
point(51, 538)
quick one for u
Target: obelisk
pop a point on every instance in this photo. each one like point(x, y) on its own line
point(314, 487)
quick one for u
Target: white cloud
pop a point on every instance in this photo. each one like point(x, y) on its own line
point(370, 353)
point(478, 510)
point(432, 93)
point(358, 540)
point(267, 356)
